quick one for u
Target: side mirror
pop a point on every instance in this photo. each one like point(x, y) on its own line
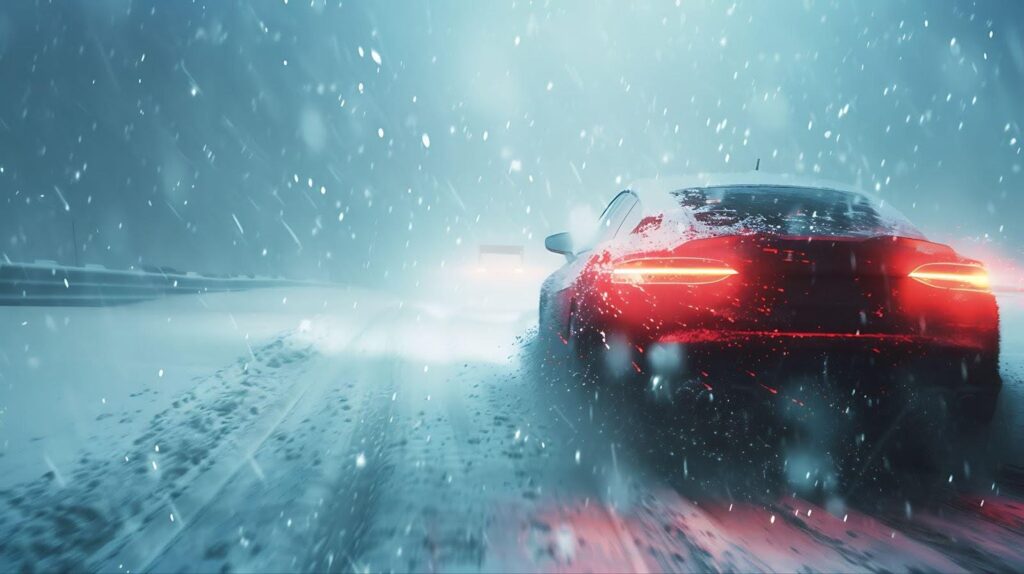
point(560, 243)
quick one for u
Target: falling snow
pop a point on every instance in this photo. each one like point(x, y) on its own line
point(321, 226)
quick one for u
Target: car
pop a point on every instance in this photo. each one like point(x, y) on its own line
point(730, 280)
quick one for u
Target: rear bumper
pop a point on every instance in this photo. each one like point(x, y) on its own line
point(784, 341)
point(962, 364)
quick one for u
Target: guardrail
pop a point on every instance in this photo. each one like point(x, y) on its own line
point(48, 283)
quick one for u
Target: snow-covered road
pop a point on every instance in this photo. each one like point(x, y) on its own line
point(319, 430)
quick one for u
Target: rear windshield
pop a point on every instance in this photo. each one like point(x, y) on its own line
point(790, 211)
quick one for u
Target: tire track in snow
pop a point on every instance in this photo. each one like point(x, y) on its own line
point(145, 546)
point(109, 499)
point(447, 472)
point(435, 515)
point(384, 515)
point(350, 512)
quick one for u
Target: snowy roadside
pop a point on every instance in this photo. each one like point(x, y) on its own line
point(110, 413)
point(77, 377)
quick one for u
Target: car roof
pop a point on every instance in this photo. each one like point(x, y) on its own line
point(655, 194)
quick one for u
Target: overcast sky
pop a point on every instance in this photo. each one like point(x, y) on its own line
point(367, 141)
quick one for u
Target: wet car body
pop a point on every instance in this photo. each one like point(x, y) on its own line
point(745, 283)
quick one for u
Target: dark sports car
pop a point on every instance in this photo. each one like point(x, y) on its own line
point(731, 283)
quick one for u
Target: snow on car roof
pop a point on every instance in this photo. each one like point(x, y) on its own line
point(655, 190)
point(656, 194)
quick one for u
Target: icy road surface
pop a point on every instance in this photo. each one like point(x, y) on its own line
point(343, 431)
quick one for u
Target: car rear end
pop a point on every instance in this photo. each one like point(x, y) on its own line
point(753, 300)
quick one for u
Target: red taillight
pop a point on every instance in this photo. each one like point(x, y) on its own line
point(960, 276)
point(671, 271)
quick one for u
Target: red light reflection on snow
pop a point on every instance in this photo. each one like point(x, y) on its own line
point(663, 531)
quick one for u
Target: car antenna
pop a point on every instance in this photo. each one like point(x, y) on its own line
point(757, 166)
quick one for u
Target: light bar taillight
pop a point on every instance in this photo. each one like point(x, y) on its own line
point(960, 276)
point(671, 271)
